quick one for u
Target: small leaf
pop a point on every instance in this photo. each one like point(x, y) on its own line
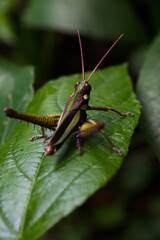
point(7, 31)
point(148, 89)
point(95, 18)
point(37, 191)
point(15, 91)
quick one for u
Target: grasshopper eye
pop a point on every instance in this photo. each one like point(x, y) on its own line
point(87, 87)
point(76, 85)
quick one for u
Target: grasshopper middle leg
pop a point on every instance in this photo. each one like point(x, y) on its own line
point(88, 129)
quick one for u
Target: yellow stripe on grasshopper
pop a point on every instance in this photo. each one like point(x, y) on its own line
point(72, 124)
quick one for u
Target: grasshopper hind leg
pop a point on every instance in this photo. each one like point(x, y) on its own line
point(111, 144)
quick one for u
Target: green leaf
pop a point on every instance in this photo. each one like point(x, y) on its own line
point(148, 89)
point(37, 191)
point(95, 18)
point(15, 91)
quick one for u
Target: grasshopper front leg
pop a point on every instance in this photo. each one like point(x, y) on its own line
point(102, 108)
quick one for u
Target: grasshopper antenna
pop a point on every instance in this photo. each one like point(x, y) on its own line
point(82, 60)
point(104, 57)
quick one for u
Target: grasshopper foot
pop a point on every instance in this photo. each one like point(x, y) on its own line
point(36, 137)
point(50, 150)
point(117, 151)
point(128, 113)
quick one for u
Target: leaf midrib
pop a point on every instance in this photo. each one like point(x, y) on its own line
point(29, 198)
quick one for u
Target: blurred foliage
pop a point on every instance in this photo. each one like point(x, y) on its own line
point(92, 17)
point(30, 34)
point(7, 33)
point(148, 91)
point(11, 86)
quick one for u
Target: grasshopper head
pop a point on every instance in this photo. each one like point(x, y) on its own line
point(83, 89)
point(80, 96)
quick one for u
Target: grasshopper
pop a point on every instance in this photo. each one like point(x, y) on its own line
point(74, 117)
